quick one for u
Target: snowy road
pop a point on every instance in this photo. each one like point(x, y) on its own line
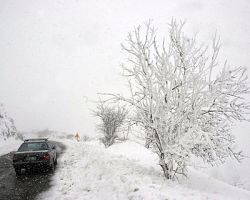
point(24, 187)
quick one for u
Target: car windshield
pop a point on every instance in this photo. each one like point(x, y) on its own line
point(33, 146)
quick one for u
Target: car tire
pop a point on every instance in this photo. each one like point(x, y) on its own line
point(55, 161)
point(18, 172)
point(52, 167)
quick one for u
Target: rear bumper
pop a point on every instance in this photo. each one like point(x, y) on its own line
point(29, 165)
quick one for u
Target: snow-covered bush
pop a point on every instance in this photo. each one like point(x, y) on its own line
point(7, 126)
point(85, 138)
point(183, 105)
point(112, 118)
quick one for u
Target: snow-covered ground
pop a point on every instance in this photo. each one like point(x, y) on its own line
point(8, 145)
point(127, 170)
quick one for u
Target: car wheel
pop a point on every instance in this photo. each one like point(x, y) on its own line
point(18, 172)
point(55, 161)
point(52, 167)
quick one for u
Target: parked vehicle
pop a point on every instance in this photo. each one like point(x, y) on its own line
point(35, 153)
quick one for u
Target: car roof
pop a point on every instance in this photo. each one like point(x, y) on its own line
point(36, 140)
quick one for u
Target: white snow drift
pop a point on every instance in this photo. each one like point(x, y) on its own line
point(87, 170)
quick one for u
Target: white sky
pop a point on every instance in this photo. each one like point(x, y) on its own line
point(53, 53)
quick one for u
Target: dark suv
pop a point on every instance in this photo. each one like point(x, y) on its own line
point(35, 153)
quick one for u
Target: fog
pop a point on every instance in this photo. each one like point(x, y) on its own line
point(55, 56)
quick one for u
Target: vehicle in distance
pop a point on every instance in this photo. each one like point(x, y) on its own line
point(35, 154)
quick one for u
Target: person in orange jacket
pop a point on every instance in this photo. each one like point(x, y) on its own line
point(77, 136)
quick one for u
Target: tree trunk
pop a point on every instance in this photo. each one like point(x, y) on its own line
point(165, 167)
point(147, 143)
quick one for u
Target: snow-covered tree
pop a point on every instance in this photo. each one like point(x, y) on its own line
point(112, 118)
point(183, 104)
point(7, 127)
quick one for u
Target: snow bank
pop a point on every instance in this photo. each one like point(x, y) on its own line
point(9, 145)
point(8, 133)
point(127, 171)
point(135, 152)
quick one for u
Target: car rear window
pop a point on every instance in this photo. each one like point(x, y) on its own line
point(33, 146)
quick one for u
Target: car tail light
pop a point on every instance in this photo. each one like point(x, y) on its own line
point(46, 156)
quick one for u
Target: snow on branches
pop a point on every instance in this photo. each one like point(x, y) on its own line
point(112, 119)
point(7, 127)
point(184, 107)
